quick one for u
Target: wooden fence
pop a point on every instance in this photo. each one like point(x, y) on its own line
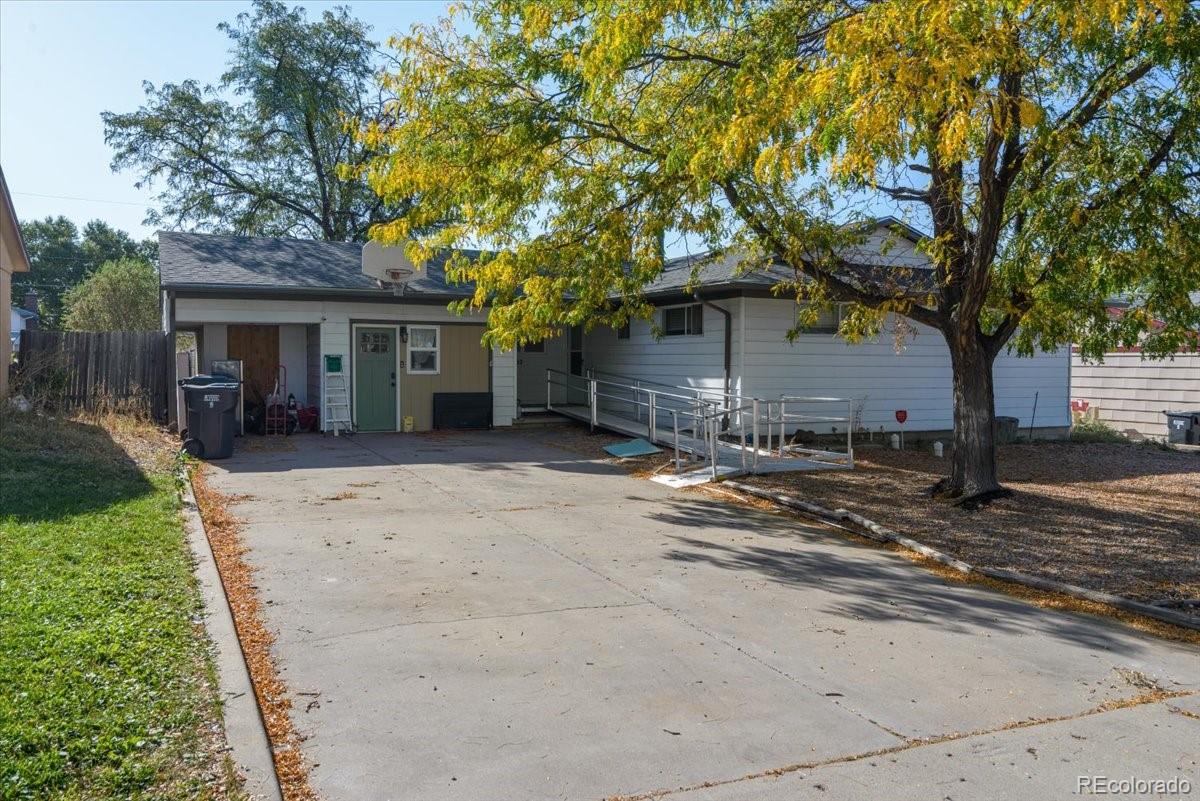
point(125, 370)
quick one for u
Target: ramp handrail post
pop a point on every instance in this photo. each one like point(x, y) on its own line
point(637, 398)
point(712, 443)
point(741, 416)
point(549, 406)
point(770, 417)
point(754, 413)
point(592, 402)
point(850, 431)
point(782, 423)
point(652, 423)
point(675, 426)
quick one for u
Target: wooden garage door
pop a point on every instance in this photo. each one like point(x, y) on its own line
point(258, 348)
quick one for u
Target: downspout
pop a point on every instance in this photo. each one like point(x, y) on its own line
point(728, 351)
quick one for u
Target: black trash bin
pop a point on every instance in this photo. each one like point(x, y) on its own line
point(211, 401)
point(1183, 428)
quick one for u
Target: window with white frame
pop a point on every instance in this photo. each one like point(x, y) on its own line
point(683, 320)
point(424, 349)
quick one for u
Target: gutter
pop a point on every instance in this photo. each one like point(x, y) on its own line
point(315, 293)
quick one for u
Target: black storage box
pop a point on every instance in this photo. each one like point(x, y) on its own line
point(462, 410)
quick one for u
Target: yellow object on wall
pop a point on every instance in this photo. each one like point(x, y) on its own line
point(408, 424)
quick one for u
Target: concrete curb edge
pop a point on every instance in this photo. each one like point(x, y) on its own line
point(245, 730)
point(879, 533)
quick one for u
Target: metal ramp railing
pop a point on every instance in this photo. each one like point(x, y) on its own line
point(719, 428)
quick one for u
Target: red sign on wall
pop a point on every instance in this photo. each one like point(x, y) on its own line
point(901, 415)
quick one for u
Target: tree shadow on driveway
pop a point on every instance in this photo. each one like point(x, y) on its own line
point(866, 583)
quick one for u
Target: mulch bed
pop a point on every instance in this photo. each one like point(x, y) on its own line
point(1113, 517)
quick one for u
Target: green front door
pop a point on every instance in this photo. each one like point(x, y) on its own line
point(375, 378)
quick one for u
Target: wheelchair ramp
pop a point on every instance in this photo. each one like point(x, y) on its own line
point(709, 438)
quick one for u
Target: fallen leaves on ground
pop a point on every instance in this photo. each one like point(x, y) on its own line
point(237, 576)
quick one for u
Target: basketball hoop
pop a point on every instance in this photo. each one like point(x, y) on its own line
point(387, 263)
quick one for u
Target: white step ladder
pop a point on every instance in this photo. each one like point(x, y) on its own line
point(337, 404)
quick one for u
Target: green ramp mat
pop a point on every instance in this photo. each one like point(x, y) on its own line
point(635, 447)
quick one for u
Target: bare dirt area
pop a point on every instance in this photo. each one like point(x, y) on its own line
point(1113, 517)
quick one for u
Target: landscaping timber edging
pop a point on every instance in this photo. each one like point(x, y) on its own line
point(875, 531)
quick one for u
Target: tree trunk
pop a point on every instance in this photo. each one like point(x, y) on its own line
point(973, 469)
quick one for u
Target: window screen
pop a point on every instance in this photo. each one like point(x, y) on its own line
point(682, 320)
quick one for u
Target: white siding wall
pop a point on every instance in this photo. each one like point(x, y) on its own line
point(334, 318)
point(690, 360)
point(1132, 392)
point(293, 356)
point(214, 343)
point(766, 365)
point(917, 379)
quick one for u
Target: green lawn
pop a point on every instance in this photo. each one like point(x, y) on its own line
point(106, 685)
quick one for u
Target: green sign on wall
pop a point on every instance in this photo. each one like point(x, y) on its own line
point(333, 362)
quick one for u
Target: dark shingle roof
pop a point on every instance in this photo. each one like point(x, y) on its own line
point(218, 261)
point(221, 262)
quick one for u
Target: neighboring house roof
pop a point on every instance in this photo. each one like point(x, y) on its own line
point(212, 264)
point(26, 313)
point(217, 262)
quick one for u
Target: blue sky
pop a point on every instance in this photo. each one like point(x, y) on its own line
point(63, 63)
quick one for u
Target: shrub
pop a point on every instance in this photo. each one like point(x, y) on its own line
point(1095, 430)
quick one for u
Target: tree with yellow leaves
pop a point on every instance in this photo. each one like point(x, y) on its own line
point(1051, 148)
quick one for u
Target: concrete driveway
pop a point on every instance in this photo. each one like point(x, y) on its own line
point(486, 616)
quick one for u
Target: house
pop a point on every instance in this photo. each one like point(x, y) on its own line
point(292, 303)
point(1130, 393)
point(289, 303)
point(13, 259)
point(23, 318)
